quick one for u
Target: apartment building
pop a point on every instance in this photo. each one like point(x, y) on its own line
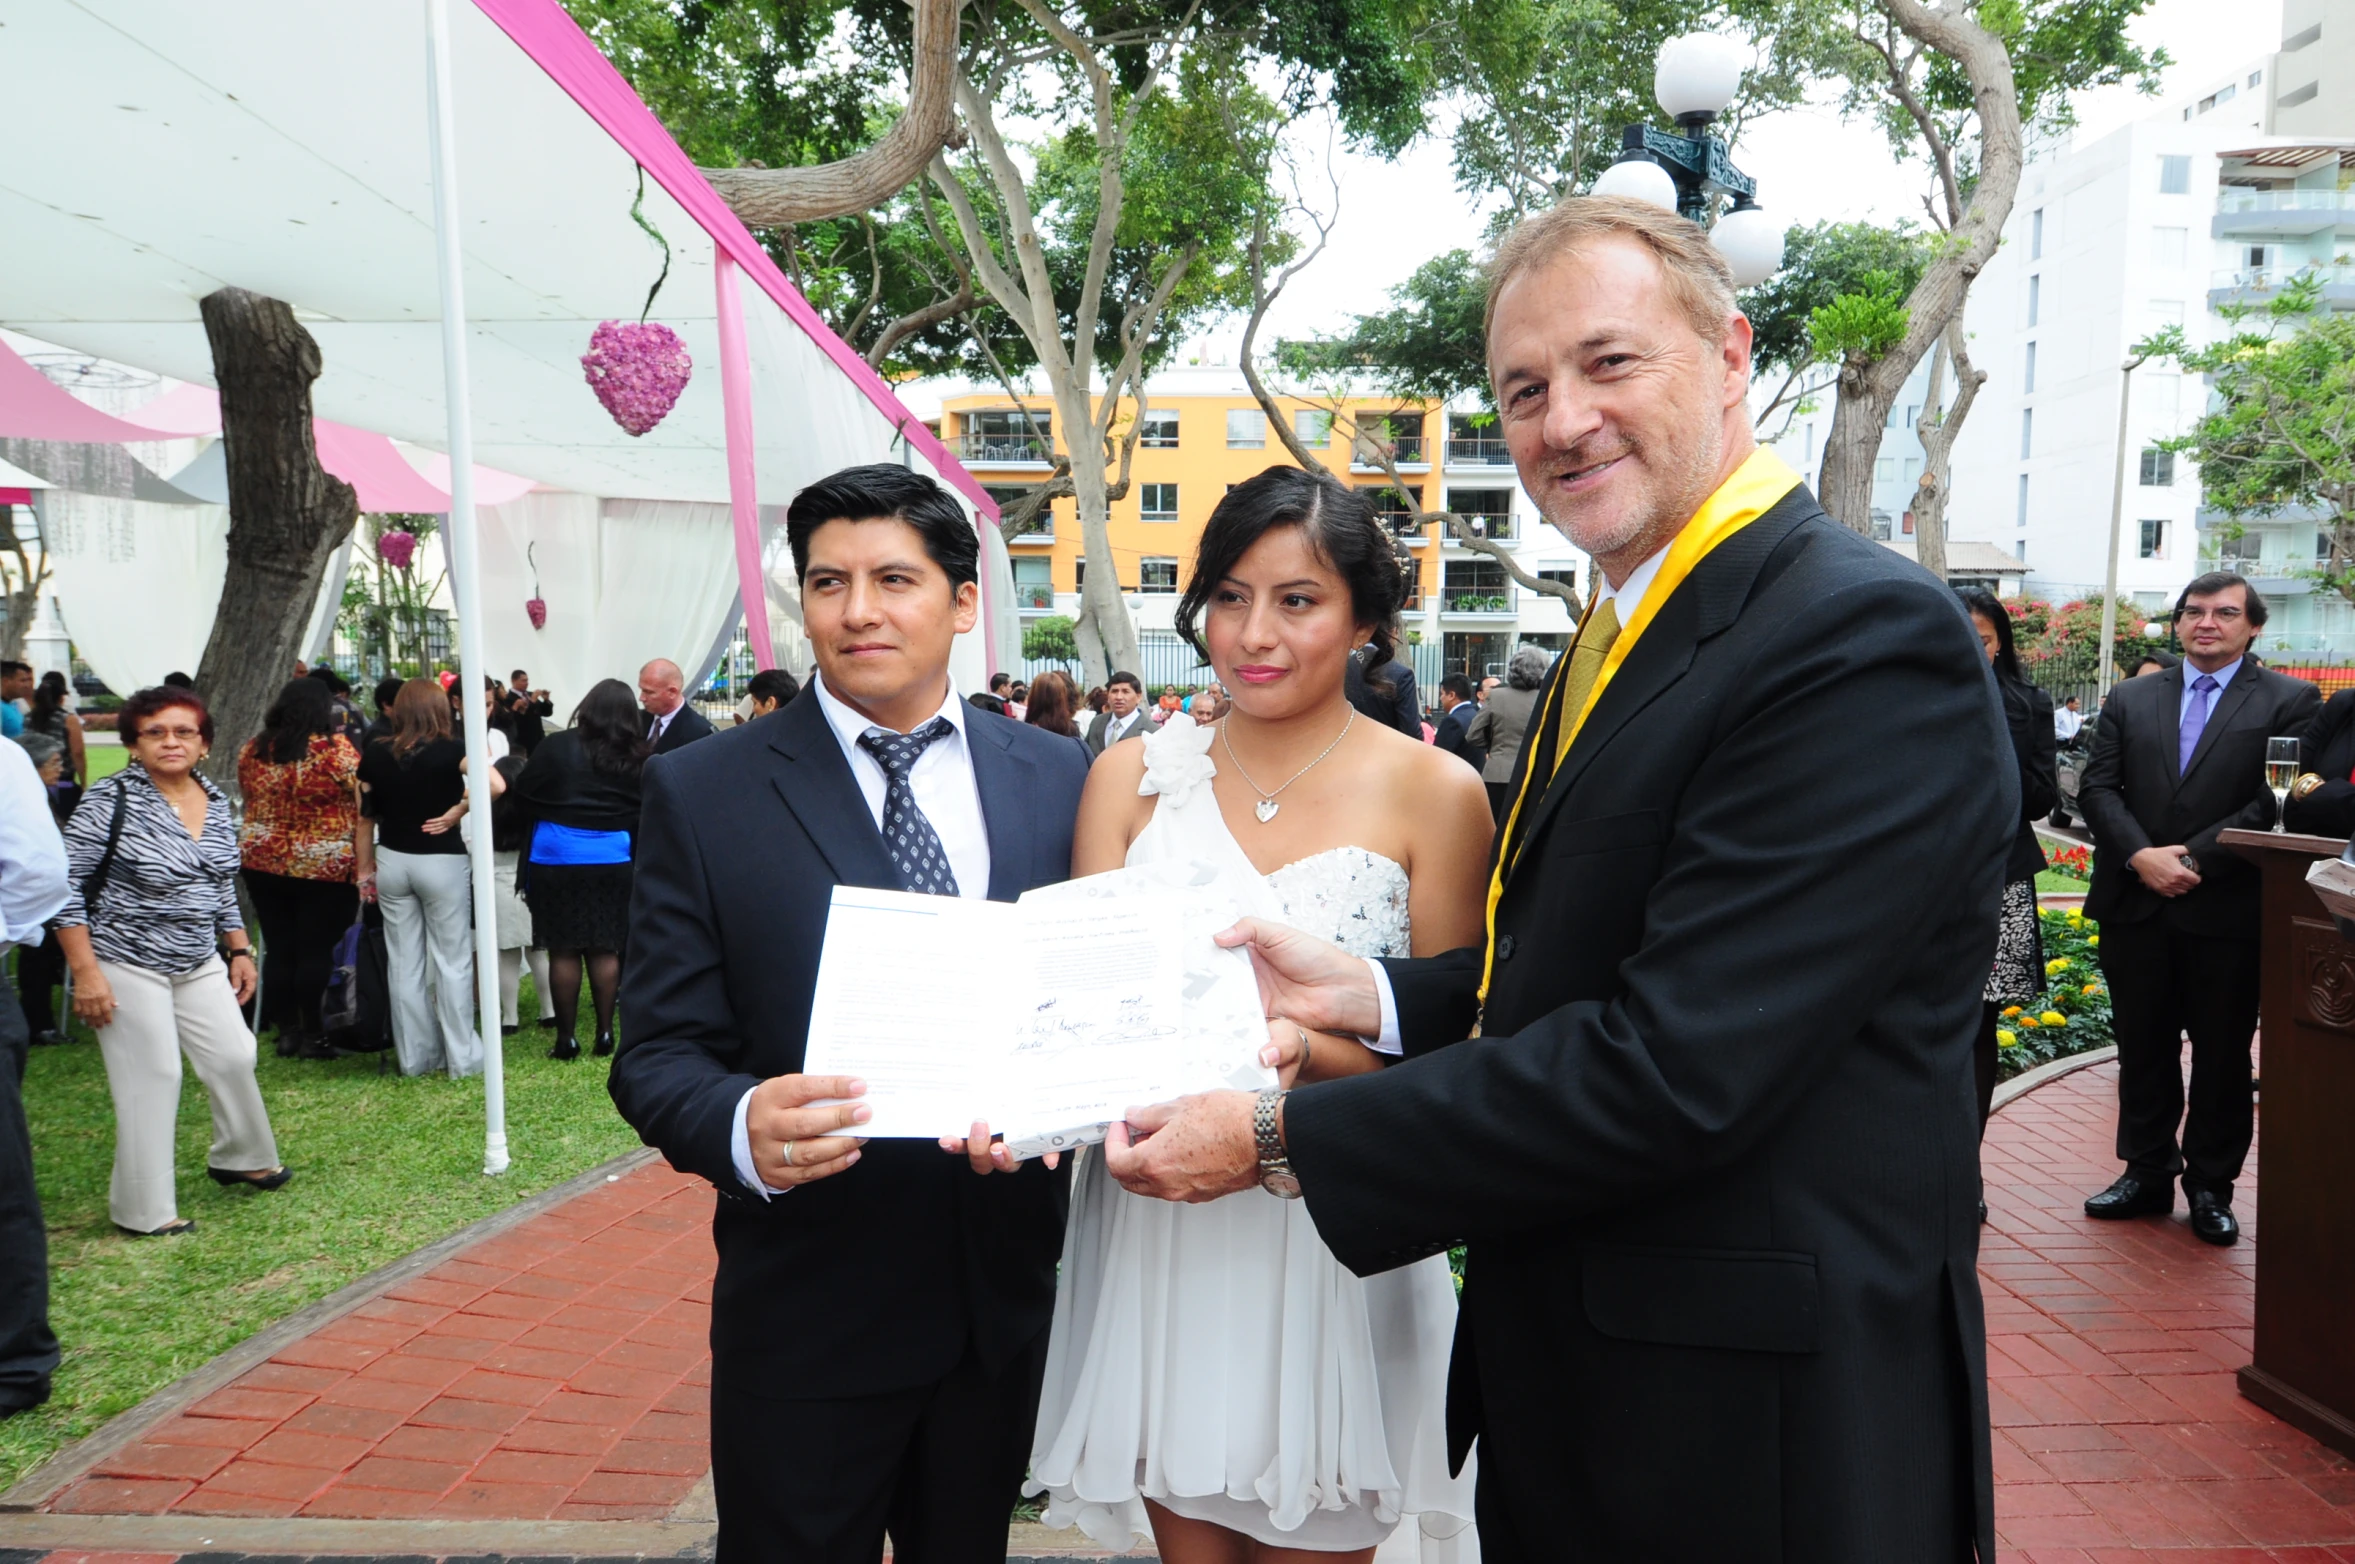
point(2217, 198)
point(1203, 433)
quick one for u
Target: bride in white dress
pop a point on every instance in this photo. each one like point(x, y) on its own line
point(1214, 1372)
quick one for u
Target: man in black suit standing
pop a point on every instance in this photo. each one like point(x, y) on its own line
point(670, 722)
point(1455, 694)
point(879, 1321)
point(1702, 1102)
point(1123, 714)
point(2178, 758)
point(528, 710)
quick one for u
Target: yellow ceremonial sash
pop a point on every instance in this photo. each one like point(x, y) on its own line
point(1754, 488)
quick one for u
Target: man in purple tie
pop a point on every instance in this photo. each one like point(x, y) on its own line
point(2180, 758)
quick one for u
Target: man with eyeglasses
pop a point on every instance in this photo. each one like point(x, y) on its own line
point(2180, 758)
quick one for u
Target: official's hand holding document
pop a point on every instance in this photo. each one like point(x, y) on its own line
point(1047, 1017)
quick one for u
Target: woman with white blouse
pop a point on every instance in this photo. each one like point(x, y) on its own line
point(152, 854)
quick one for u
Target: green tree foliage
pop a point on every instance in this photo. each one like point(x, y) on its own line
point(1824, 264)
point(1429, 343)
point(2279, 433)
point(1050, 640)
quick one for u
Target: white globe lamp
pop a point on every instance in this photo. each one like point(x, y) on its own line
point(1751, 242)
point(1638, 179)
point(1698, 75)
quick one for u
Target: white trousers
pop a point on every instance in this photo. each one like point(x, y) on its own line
point(158, 1017)
point(429, 944)
point(511, 982)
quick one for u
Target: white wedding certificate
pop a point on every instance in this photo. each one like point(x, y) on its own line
point(1047, 1017)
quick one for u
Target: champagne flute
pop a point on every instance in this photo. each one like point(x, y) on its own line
point(2281, 769)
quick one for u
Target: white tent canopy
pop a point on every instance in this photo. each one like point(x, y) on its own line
point(443, 193)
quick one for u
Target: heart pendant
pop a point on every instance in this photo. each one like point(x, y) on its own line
point(1265, 809)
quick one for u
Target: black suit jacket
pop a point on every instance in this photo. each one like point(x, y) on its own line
point(2326, 747)
point(2134, 796)
point(872, 1280)
point(2027, 712)
point(686, 727)
point(1716, 1153)
point(1399, 708)
point(1450, 733)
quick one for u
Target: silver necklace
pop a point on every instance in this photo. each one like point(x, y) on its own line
point(1267, 806)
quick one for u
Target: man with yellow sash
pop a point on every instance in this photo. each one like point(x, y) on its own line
point(1701, 1108)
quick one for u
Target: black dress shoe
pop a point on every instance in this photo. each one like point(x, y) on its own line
point(1982, 1213)
point(290, 1043)
point(509, 1031)
point(47, 1037)
point(2133, 1195)
point(259, 1178)
point(2211, 1218)
point(566, 1048)
point(604, 1044)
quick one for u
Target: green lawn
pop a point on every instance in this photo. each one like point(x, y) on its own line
point(2066, 884)
point(105, 759)
point(383, 1165)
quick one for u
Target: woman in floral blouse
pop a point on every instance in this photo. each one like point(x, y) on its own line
point(305, 856)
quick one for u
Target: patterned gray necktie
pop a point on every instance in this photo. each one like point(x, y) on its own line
point(914, 846)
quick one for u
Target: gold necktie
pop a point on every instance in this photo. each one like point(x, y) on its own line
point(1586, 666)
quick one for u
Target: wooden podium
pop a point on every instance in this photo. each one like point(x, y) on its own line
point(2304, 1368)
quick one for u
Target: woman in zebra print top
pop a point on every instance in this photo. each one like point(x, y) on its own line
point(139, 930)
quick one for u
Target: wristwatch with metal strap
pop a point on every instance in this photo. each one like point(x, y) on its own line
point(1275, 1169)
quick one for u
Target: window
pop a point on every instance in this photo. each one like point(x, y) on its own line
point(1892, 415)
point(2035, 298)
point(1014, 436)
point(1490, 511)
point(2248, 548)
point(1913, 415)
point(2020, 551)
point(1156, 575)
point(2028, 377)
point(1246, 429)
point(1905, 524)
point(1034, 581)
point(1885, 470)
point(2158, 469)
point(1312, 428)
point(1008, 496)
point(1565, 574)
point(1399, 433)
point(1159, 502)
point(2036, 234)
point(2027, 432)
point(2154, 540)
point(2206, 104)
point(1159, 431)
point(1913, 475)
point(2256, 78)
point(2226, 93)
point(1393, 511)
point(1475, 586)
point(2167, 248)
point(2023, 521)
point(2258, 255)
point(2175, 171)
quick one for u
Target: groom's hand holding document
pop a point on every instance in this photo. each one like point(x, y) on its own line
point(795, 1143)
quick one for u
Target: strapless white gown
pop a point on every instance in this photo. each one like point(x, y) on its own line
point(1216, 1358)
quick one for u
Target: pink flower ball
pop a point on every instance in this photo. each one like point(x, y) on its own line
point(536, 610)
point(397, 548)
point(637, 371)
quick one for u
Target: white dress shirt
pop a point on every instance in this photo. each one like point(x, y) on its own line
point(946, 791)
point(1626, 598)
point(32, 854)
point(654, 729)
point(1118, 728)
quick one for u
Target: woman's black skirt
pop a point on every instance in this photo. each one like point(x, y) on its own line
point(579, 906)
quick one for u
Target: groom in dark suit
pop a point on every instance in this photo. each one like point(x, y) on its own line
point(1702, 1103)
point(879, 1322)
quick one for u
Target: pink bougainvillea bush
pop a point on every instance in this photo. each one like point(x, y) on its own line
point(396, 548)
point(637, 371)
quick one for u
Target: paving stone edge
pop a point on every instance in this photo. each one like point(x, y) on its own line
point(2028, 1080)
point(40, 1484)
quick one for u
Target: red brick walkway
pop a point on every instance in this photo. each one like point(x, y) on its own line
point(559, 1370)
point(2119, 1433)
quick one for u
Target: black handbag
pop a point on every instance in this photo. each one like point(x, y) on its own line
point(357, 1007)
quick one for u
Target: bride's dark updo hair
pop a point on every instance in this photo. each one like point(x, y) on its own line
point(1342, 531)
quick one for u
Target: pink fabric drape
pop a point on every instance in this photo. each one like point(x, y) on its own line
point(32, 407)
point(743, 485)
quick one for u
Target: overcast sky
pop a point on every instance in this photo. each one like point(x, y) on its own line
point(1809, 168)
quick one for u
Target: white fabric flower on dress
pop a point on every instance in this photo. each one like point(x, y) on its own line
point(1177, 759)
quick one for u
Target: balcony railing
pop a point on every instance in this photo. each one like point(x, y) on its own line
point(2264, 279)
point(1477, 602)
point(1480, 451)
point(1003, 450)
point(1406, 450)
point(1497, 529)
point(1031, 595)
point(2232, 200)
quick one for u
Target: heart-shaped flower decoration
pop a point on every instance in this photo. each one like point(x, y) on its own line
point(637, 371)
point(536, 610)
point(396, 548)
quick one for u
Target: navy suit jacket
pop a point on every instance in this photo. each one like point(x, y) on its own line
point(874, 1279)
